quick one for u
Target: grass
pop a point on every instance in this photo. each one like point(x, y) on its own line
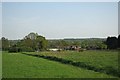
point(0, 64)
point(17, 65)
point(100, 61)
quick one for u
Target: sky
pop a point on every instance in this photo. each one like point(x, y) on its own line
point(119, 18)
point(60, 0)
point(56, 20)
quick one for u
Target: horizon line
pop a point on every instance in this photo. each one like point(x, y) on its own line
point(66, 38)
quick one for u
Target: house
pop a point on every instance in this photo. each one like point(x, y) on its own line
point(54, 49)
point(77, 48)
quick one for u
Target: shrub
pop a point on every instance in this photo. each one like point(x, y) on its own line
point(27, 49)
point(14, 49)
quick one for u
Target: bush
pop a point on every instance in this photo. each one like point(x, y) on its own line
point(26, 49)
point(14, 49)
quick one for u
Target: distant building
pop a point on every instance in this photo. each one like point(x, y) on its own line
point(55, 49)
point(77, 48)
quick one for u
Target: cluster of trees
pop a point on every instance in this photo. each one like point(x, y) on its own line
point(31, 42)
point(35, 42)
point(93, 43)
point(113, 42)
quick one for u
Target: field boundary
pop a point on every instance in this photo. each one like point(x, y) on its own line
point(106, 70)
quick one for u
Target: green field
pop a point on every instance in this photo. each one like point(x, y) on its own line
point(17, 65)
point(99, 59)
point(0, 64)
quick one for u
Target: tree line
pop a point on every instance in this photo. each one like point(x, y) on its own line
point(92, 43)
point(35, 42)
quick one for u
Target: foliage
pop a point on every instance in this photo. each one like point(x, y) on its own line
point(41, 43)
point(32, 42)
point(14, 49)
point(57, 43)
point(36, 42)
point(112, 43)
point(93, 44)
point(84, 43)
point(119, 41)
point(5, 44)
point(26, 49)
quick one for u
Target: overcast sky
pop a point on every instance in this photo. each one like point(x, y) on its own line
point(59, 19)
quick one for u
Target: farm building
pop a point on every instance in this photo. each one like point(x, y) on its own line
point(54, 49)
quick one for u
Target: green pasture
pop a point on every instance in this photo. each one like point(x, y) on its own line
point(96, 58)
point(0, 64)
point(17, 65)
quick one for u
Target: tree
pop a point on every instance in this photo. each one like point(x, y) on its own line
point(41, 43)
point(76, 43)
point(5, 44)
point(32, 36)
point(14, 48)
point(26, 44)
point(93, 43)
point(119, 41)
point(112, 42)
point(33, 42)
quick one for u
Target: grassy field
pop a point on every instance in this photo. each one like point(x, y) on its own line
point(0, 64)
point(99, 59)
point(17, 65)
